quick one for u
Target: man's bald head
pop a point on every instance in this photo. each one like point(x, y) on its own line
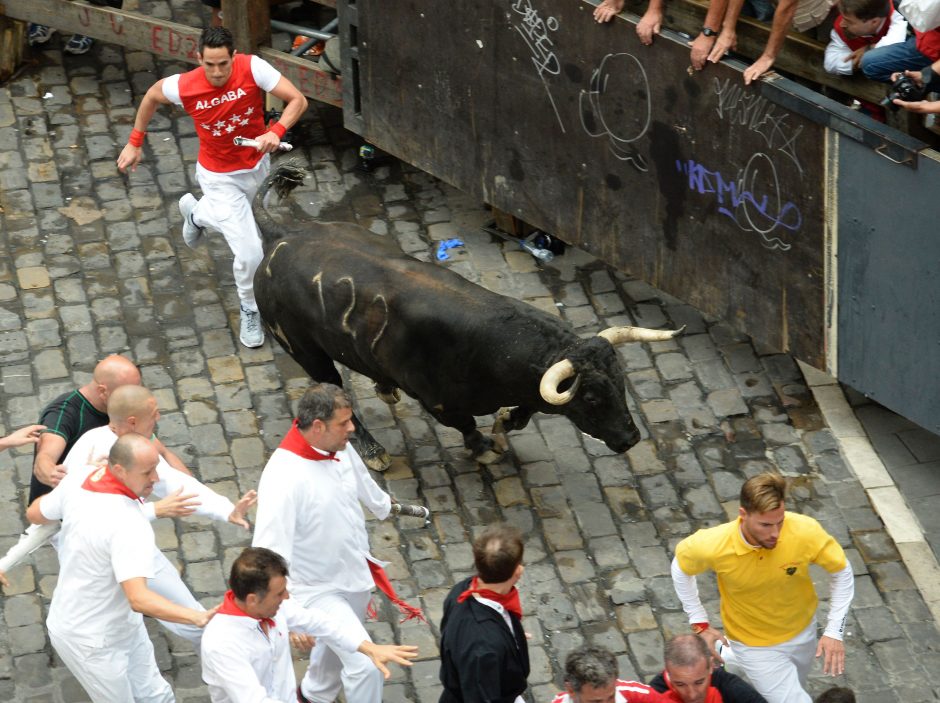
point(128, 401)
point(686, 650)
point(133, 461)
point(115, 371)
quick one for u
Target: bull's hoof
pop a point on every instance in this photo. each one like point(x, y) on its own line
point(388, 395)
point(490, 456)
point(378, 462)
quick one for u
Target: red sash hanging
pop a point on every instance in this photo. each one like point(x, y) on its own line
point(384, 585)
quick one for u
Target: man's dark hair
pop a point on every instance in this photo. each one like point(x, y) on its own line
point(865, 9)
point(836, 695)
point(497, 552)
point(319, 403)
point(685, 650)
point(253, 570)
point(594, 666)
point(216, 38)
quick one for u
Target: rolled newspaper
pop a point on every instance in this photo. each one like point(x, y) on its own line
point(245, 141)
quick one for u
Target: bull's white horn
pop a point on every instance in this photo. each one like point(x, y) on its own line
point(552, 378)
point(622, 335)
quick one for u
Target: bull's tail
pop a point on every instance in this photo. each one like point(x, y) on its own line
point(284, 178)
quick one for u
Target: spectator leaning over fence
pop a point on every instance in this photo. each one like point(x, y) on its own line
point(38, 34)
point(72, 414)
point(591, 677)
point(224, 96)
point(862, 25)
point(691, 677)
point(768, 601)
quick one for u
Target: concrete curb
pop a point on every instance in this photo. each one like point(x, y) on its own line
point(900, 522)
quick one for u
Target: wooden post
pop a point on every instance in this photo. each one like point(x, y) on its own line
point(12, 45)
point(250, 23)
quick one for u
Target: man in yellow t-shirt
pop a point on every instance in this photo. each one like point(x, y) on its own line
point(768, 602)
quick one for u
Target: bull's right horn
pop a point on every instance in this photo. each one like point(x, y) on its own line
point(622, 335)
point(552, 378)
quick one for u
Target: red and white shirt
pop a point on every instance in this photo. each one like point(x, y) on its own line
point(627, 692)
point(221, 114)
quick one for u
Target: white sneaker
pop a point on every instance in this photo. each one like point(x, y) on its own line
point(251, 334)
point(192, 233)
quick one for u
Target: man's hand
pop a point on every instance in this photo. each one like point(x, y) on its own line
point(241, 507)
point(382, 653)
point(24, 435)
point(922, 106)
point(727, 41)
point(51, 478)
point(711, 635)
point(701, 48)
point(757, 69)
point(856, 56)
point(3, 580)
point(176, 505)
point(649, 25)
point(129, 158)
point(833, 652)
point(302, 641)
point(268, 142)
point(606, 10)
point(916, 76)
point(201, 618)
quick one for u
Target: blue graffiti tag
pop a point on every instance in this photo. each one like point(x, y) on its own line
point(742, 198)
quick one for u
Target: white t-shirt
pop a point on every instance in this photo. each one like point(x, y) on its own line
point(242, 664)
point(94, 446)
point(105, 540)
point(309, 513)
point(265, 75)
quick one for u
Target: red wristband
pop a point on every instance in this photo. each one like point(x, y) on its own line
point(136, 138)
point(699, 627)
point(279, 129)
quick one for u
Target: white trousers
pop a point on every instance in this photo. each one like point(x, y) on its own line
point(225, 206)
point(167, 582)
point(331, 669)
point(779, 672)
point(122, 672)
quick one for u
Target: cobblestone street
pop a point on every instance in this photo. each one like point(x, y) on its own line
point(95, 264)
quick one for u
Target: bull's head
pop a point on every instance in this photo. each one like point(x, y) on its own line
point(587, 385)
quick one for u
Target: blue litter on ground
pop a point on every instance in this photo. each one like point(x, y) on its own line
point(445, 245)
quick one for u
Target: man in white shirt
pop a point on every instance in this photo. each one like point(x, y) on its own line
point(106, 557)
point(246, 649)
point(309, 513)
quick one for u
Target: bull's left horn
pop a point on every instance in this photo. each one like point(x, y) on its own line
point(552, 378)
point(622, 335)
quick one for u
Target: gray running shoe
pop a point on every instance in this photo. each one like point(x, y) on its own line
point(251, 334)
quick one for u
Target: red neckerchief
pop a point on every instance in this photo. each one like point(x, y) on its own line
point(230, 607)
point(103, 481)
point(713, 695)
point(295, 443)
point(510, 601)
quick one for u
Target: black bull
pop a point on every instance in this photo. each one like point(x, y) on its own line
point(337, 292)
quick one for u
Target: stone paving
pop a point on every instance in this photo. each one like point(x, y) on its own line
point(95, 264)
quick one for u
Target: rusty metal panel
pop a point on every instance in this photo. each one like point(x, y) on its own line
point(889, 281)
point(709, 190)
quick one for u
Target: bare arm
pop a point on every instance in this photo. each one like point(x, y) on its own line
point(783, 18)
point(296, 105)
point(46, 467)
point(718, 13)
point(34, 514)
point(130, 155)
point(143, 600)
point(171, 458)
point(24, 435)
point(651, 22)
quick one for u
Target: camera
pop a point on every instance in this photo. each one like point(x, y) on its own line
point(904, 88)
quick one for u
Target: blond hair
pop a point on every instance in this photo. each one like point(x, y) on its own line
point(764, 492)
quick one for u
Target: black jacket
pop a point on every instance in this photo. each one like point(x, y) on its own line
point(733, 689)
point(481, 660)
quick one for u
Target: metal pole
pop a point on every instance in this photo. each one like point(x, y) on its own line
point(303, 31)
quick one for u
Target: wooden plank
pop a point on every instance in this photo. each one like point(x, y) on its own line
point(158, 36)
point(165, 39)
point(800, 56)
point(12, 43)
point(309, 78)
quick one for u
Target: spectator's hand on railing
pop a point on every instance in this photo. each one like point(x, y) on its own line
point(727, 41)
point(649, 25)
point(757, 69)
point(701, 48)
point(606, 11)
